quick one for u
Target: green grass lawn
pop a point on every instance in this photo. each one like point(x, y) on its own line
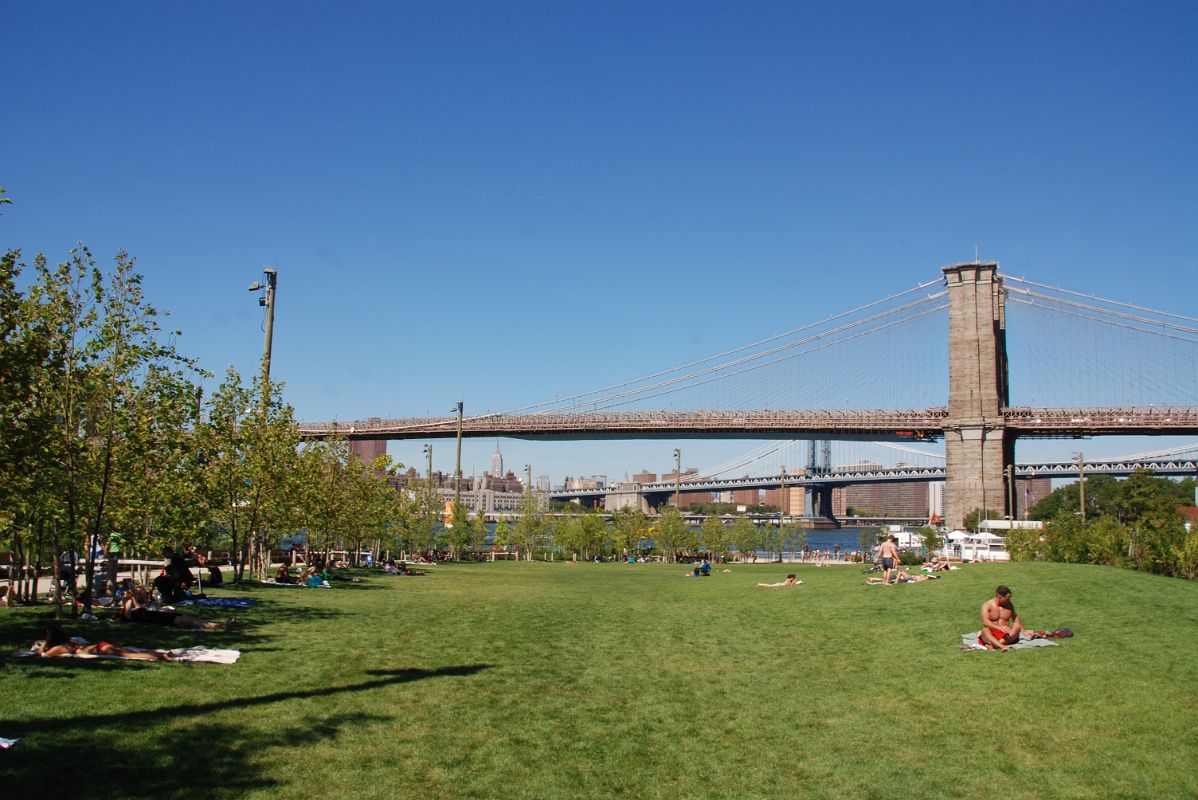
point(612, 680)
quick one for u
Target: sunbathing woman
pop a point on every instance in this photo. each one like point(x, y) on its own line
point(790, 581)
point(57, 643)
point(133, 611)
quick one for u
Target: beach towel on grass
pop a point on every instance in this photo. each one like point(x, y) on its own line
point(7, 743)
point(225, 602)
point(969, 641)
point(211, 655)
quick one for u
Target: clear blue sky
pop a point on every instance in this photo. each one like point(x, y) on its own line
point(501, 202)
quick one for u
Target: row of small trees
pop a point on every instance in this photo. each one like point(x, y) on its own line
point(106, 436)
point(588, 534)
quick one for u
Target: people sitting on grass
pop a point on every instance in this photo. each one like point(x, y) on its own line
point(1001, 625)
point(283, 574)
point(132, 610)
point(313, 578)
point(790, 581)
point(57, 643)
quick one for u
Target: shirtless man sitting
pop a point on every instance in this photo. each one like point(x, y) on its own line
point(1001, 626)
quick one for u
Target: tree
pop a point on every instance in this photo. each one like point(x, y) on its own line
point(478, 531)
point(256, 483)
point(531, 525)
point(93, 404)
point(974, 518)
point(503, 534)
point(713, 535)
point(793, 539)
point(629, 526)
point(744, 536)
point(670, 532)
point(931, 539)
point(868, 541)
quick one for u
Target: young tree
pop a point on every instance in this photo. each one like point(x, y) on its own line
point(530, 528)
point(253, 475)
point(670, 532)
point(713, 536)
point(629, 525)
point(745, 536)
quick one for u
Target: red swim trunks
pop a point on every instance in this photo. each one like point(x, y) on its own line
point(996, 633)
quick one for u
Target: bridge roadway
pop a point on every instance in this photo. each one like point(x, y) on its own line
point(1047, 469)
point(875, 425)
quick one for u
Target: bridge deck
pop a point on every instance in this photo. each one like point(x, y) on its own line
point(881, 425)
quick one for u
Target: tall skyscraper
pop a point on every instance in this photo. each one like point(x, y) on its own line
point(497, 462)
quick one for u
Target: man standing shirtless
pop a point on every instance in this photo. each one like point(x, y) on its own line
point(1001, 625)
point(888, 555)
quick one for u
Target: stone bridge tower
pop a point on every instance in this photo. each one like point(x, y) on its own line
point(977, 447)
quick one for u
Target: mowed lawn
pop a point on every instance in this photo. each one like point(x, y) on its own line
point(612, 680)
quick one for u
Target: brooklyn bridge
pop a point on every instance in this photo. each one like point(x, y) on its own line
point(1087, 366)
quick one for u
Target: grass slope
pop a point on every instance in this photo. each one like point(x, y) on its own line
point(613, 680)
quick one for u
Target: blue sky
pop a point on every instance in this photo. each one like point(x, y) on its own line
point(503, 202)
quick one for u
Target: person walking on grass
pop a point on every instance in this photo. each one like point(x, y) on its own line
point(888, 557)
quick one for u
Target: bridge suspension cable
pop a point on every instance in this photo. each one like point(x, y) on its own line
point(649, 386)
point(1077, 349)
point(1008, 279)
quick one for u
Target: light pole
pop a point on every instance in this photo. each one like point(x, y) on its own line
point(781, 498)
point(677, 477)
point(1081, 481)
point(428, 452)
point(1011, 493)
point(781, 510)
point(457, 471)
point(268, 301)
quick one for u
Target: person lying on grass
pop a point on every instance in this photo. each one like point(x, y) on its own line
point(790, 581)
point(1001, 625)
point(57, 643)
point(902, 576)
point(134, 611)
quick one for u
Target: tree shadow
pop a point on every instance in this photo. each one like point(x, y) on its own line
point(382, 678)
point(177, 751)
point(204, 759)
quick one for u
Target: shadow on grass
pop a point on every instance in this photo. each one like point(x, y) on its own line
point(176, 751)
point(20, 728)
point(204, 759)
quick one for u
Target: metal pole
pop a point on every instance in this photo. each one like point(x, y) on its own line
point(272, 279)
point(1081, 480)
point(781, 510)
point(677, 477)
point(457, 472)
point(782, 497)
point(1011, 492)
